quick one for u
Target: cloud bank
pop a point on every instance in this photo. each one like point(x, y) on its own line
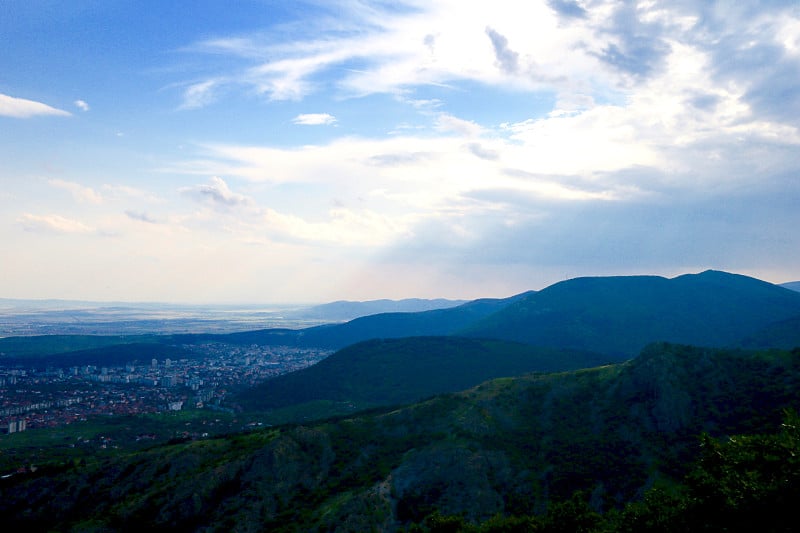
point(477, 149)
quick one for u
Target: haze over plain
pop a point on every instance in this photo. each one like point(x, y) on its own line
point(315, 151)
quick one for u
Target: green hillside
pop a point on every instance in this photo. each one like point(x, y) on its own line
point(620, 315)
point(783, 334)
point(113, 354)
point(560, 447)
point(396, 371)
point(42, 346)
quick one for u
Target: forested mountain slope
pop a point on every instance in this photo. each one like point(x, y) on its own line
point(620, 315)
point(396, 371)
point(506, 447)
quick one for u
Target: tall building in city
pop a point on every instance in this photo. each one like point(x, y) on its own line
point(15, 426)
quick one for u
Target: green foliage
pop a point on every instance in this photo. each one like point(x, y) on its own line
point(397, 371)
point(507, 455)
point(83, 441)
point(749, 482)
point(44, 345)
point(78, 350)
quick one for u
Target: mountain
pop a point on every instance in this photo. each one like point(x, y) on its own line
point(347, 310)
point(397, 371)
point(514, 446)
point(791, 285)
point(620, 315)
point(58, 349)
point(784, 334)
point(381, 326)
point(616, 316)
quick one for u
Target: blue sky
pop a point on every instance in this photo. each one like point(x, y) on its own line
point(264, 151)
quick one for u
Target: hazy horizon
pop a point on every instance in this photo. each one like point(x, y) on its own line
point(319, 151)
point(276, 306)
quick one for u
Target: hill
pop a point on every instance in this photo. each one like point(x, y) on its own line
point(620, 315)
point(506, 447)
point(112, 355)
point(397, 371)
point(612, 315)
point(381, 326)
point(347, 310)
point(791, 285)
point(783, 334)
point(43, 346)
point(63, 350)
point(617, 316)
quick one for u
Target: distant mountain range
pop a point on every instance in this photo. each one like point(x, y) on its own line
point(381, 326)
point(616, 316)
point(792, 285)
point(339, 311)
point(347, 310)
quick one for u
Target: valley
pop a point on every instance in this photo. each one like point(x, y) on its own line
point(587, 398)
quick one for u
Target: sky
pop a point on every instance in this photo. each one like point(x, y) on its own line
point(268, 151)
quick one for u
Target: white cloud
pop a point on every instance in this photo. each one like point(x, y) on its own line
point(634, 137)
point(448, 123)
point(22, 108)
point(52, 223)
point(140, 216)
point(126, 191)
point(341, 226)
point(80, 192)
point(314, 119)
point(217, 194)
point(417, 44)
point(199, 94)
point(82, 105)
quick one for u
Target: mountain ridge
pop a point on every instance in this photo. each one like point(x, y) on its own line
point(791, 285)
point(621, 314)
point(345, 310)
point(615, 315)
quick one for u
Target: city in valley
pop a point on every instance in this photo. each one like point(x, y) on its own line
point(33, 398)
